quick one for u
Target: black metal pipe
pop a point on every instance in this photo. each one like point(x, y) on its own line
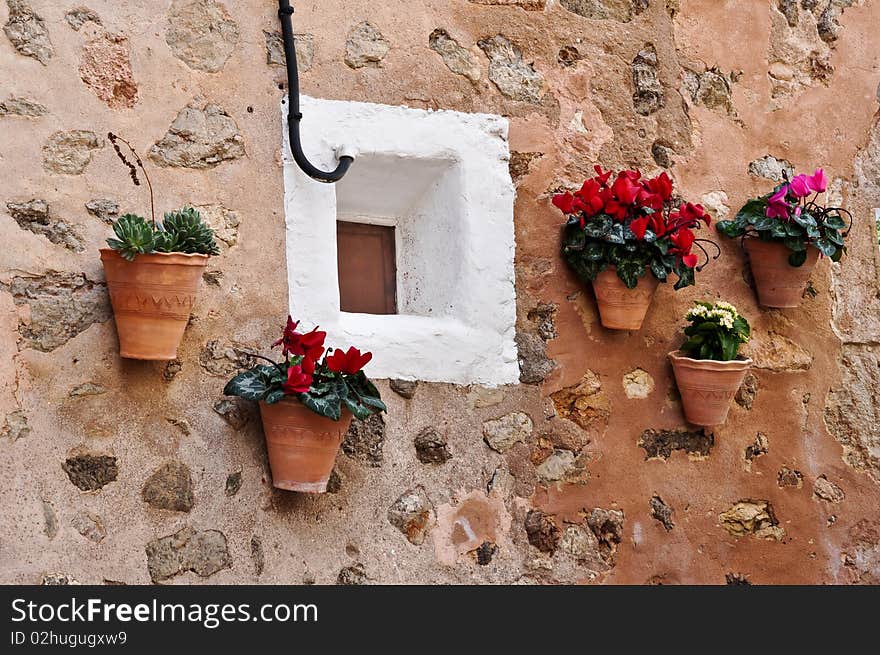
point(294, 116)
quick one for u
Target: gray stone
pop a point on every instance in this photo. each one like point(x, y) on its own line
point(619, 10)
point(638, 383)
point(50, 520)
point(662, 154)
point(170, 487)
point(79, 16)
point(223, 359)
point(534, 365)
point(568, 55)
point(745, 396)
point(502, 433)
point(305, 50)
point(27, 32)
point(171, 369)
point(542, 531)
point(431, 447)
point(404, 388)
point(365, 46)
point(711, 88)
point(771, 168)
point(104, 208)
point(827, 25)
point(365, 439)
point(543, 315)
point(607, 525)
point(580, 544)
point(201, 33)
point(485, 552)
point(233, 483)
point(14, 106)
point(91, 472)
point(662, 512)
point(556, 466)
point(199, 138)
point(761, 446)
point(69, 152)
point(61, 306)
point(223, 221)
point(458, 59)
point(352, 575)
point(233, 411)
point(89, 526)
point(58, 579)
point(660, 444)
point(824, 489)
point(257, 555)
point(204, 552)
point(412, 513)
point(34, 216)
point(87, 389)
point(789, 478)
point(334, 482)
point(15, 426)
point(789, 9)
point(514, 77)
point(648, 95)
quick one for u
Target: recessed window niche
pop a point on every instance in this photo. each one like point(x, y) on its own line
point(411, 254)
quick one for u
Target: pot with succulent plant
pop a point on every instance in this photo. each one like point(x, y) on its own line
point(153, 271)
point(307, 402)
point(708, 367)
point(784, 233)
point(628, 235)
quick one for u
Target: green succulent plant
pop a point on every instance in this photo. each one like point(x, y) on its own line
point(185, 231)
point(135, 236)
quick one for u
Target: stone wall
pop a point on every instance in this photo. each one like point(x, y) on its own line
point(125, 472)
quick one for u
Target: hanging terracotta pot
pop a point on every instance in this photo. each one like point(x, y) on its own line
point(152, 299)
point(302, 445)
point(707, 386)
point(621, 308)
point(779, 283)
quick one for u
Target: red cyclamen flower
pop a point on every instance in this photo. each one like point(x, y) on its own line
point(349, 362)
point(310, 344)
point(300, 377)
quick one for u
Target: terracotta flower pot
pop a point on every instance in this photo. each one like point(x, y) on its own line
point(621, 308)
point(302, 445)
point(779, 283)
point(707, 386)
point(152, 299)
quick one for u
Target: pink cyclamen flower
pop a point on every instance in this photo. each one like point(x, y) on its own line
point(777, 207)
point(817, 181)
point(800, 186)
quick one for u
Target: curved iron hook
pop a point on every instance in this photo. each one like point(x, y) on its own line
point(294, 116)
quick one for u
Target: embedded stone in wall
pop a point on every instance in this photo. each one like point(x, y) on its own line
point(61, 305)
point(105, 68)
point(50, 520)
point(87, 389)
point(542, 531)
point(457, 58)
point(774, 352)
point(199, 138)
point(104, 208)
point(91, 472)
point(761, 446)
point(58, 579)
point(661, 512)
point(431, 447)
point(620, 10)
point(413, 514)
point(716, 203)
point(223, 221)
point(89, 526)
point(557, 466)
point(520, 164)
point(710, 88)
point(789, 9)
point(771, 168)
point(582, 545)
point(534, 365)
point(234, 411)
point(638, 383)
point(752, 517)
point(233, 483)
point(528, 5)
point(484, 553)
point(305, 50)
point(607, 525)
point(15, 426)
point(69, 152)
point(648, 95)
point(662, 154)
point(257, 555)
point(79, 16)
point(512, 76)
point(404, 388)
point(825, 489)
point(35, 217)
point(365, 46)
point(27, 32)
point(14, 106)
point(851, 409)
point(201, 33)
point(660, 444)
point(170, 487)
point(502, 433)
point(568, 55)
point(585, 404)
point(223, 359)
point(352, 575)
point(204, 552)
point(790, 478)
point(365, 439)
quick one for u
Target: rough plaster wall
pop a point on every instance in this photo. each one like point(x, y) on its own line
point(588, 473)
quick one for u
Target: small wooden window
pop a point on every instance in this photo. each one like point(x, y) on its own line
point(367, 267)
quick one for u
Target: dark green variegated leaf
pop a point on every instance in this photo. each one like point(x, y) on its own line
point(329, 405)
point(835, 222)
point(275, 396)
point(797, 258)
point(764, 223)
point(253, 384)
point(659, 270)
point(361, 412)
point(795, 244)
point(594, 251)
point(685, 276)
point(731, 229)
point(825, 247)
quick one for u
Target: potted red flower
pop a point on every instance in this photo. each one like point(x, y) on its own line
point(784, 233)
point(708, 368)
point(307, 402)
point(625, 234)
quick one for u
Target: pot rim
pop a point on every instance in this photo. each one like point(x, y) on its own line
point(291, 400)
point(735, 364)
point(190, 258)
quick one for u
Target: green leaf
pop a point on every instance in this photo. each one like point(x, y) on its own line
point(274, 396)
point(329, 405)
point(253, 384)
point(360, 411)
point(594, 251)
point(826, 247)
point(798, 258)
point(795, 244)
point(630, 272)
point(185, 231)
point(834, 221)
point(685, 275)
point(752, 211)
point(659, 270)
point(731, 229)
point(134, 236)
point(729, 347)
